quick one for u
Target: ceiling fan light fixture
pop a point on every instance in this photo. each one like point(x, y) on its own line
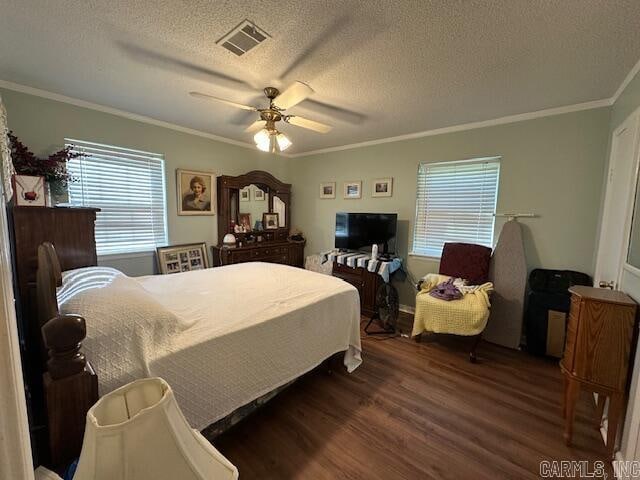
point(283, 141)
point(271, 141)
point(262, 137)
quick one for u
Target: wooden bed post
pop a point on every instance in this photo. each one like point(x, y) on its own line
point(71, 387)
point(70, 383)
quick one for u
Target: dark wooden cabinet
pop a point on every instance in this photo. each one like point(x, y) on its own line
point(599, 340)
point(286, 253)
point(365, 281)
point(72, 231)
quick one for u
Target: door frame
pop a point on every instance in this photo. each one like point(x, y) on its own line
point(632, 121)
point(631, 423)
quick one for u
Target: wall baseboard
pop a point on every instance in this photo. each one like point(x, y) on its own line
point(407, 309)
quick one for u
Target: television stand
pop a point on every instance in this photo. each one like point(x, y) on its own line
point(365, 281)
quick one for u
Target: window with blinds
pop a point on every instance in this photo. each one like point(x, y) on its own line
point(455, 203)
point(128, 186)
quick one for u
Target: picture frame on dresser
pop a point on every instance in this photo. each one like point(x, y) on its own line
point(270, 221)
point(29, 190)
point(182, 258)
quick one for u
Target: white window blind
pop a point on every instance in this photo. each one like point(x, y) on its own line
point(128, 186)
point(455, 203)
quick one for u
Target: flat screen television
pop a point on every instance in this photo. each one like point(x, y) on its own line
point(358, 230)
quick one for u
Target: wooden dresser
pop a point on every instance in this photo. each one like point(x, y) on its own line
point(596, 357)
point(238, 199)
point(287, 253)
point(365, 281)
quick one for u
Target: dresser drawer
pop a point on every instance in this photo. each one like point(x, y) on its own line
point(240, 256)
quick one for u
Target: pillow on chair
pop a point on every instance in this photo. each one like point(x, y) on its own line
point(466, 260)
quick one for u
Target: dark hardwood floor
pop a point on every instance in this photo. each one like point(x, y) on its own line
point(415, 411)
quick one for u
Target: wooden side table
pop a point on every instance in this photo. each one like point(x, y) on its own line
point(596, 355)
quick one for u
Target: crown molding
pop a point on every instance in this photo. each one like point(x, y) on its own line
point(632, 73)
point(605, 102)
point(16, 87)
point(521, 117)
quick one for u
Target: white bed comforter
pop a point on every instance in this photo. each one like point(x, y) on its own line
point(221, 337)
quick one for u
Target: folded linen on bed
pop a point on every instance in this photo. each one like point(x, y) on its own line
point(220, 337)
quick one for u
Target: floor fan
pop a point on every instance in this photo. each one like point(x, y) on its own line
point(387, 310)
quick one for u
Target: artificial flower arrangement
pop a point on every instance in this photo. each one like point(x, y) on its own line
point(53, 168)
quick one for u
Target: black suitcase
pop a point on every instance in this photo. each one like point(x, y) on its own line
point(556, 281)
point(549, 291)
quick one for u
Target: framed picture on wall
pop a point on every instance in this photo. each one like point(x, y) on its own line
point(328, 190)
point(182, 258)
point(382, 187)
point(196, 192)
point(245, 194)
point(353, 189)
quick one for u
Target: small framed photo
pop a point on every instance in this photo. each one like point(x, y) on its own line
point(328, 190)
point(353, 189)
point(196, 192)
point(270, 221)
point(244, 220)
point(258, 194)
point(182, 258)
point(245, 194)
point(382, 187)
point(28, 191)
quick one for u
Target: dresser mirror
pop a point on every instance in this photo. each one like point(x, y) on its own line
point(243, 201)
point(253, 202)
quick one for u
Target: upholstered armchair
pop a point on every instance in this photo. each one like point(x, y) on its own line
point(466, 316)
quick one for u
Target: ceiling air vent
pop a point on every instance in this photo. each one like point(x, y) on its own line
point(243, 38)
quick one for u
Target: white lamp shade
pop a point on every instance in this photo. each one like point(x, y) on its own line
point(138, 432)
point(263, 140)
point(283, 142)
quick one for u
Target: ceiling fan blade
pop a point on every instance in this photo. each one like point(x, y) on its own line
point(308, 124)
point(334, 111)
point(228, 102)
point(333, 31)
point(293, 95)
point(255, 126)
point(179, 65)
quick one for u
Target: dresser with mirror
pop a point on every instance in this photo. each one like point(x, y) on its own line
point(256, 209)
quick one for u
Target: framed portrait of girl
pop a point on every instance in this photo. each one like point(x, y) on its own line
point(196, 192)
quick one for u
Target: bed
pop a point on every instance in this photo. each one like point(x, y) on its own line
point(221, 337)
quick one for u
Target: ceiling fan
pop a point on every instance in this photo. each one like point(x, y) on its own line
point(269, 138)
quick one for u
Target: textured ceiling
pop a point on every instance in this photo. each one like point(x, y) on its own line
point(394, 67)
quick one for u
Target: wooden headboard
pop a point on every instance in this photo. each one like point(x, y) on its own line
point(72, 232)
point(70, 383)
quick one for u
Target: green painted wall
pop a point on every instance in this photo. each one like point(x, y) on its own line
point(552, 166)
point(43, 124)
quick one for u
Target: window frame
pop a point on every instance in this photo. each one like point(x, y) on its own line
point(492, 159)
point(121, 152)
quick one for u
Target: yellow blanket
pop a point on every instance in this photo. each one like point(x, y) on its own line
point(465, 316)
